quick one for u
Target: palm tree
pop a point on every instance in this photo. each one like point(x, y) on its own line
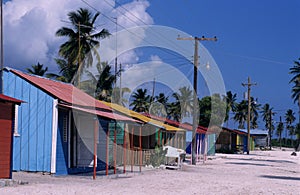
point(297, 132)
point(279, 132)
point(37, 69)
point(266, 114)
point(82, 38)
point(295, 71)
point(266, 110)
point(255, 107)
point(141, 101)
point(212, 110)
point(160, 105)
point(174, 111)
point(118, 96)
point(101, 85)
point(184, 99)
point(230, 104)
point(241, 113)
point(290, 119)
point(66, 72)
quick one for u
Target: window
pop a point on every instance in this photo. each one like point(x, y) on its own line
point(16, 127)
point(65, 128)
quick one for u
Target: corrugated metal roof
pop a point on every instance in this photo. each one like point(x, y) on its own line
point(10, 99)
point(234, 131)
point(185, 126)
point(254, 131)
point(141, 117)
point(63, 91)
point(109, 115)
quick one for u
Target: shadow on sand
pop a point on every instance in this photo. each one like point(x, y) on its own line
point(281, 177)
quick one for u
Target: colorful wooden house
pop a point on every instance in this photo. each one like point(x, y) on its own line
point(230, 140)
point(235, 140)
point(59, 128)
point(152, 133)
point(205, 140)
point(258, 137)
point(7, 127)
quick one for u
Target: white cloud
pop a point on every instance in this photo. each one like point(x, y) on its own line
point(156, 59)
point(30, 26)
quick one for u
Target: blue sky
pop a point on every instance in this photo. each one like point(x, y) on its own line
point(259, 39)
point(256, 38)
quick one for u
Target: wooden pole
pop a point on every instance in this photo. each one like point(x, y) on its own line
point(206, 146)
point(124, 151)
point(107, 151)
point(200, 147)
point(197, 155)
point(195, 96)
point(95, 147)
point(115, 150)
point(140, 140)
point(131, 149)
point(249, 84)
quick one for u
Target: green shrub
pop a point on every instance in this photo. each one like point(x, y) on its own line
point(158, 156)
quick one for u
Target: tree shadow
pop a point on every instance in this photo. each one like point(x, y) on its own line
point(242, 163)
point(262, 160)
point(281, 177)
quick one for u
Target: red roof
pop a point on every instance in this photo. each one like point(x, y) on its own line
point(65, 92)
point(10, 99)
point(234, 131)
point(109, 115)
point(186, 126)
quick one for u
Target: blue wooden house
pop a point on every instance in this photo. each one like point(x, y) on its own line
point(56, 126)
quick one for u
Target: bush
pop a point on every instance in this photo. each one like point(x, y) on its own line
point(158, 156)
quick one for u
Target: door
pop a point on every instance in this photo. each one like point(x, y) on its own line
point(6, 115)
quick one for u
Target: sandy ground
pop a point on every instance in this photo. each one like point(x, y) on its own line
point(261, 172)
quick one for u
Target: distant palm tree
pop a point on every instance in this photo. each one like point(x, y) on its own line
point(295, 71)
point(290, 119)
point(267, 112)
point(100, 85)
point(184, 99)
point(37, 69)
point(255, 107)
point(66, 72)
point(241, 114)
point(159, 106)
point(297, 132)
point(82, 38)
point(118, 96)
point(231, 104)
point(174, 111)
point(141, 101)
point(280, 128)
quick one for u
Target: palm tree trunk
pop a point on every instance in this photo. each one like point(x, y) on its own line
point(280, 140)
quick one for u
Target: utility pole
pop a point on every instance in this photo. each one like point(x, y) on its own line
point(280, 132)
point(249, 84)
point(153, 90)
point(270, 127)
point(195, 104)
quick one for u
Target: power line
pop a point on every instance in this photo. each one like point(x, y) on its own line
point(109, 18)
point(158, 35)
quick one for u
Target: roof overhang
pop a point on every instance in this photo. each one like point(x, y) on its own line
point(141, 117)
point(109, 115)
point(10, 99)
